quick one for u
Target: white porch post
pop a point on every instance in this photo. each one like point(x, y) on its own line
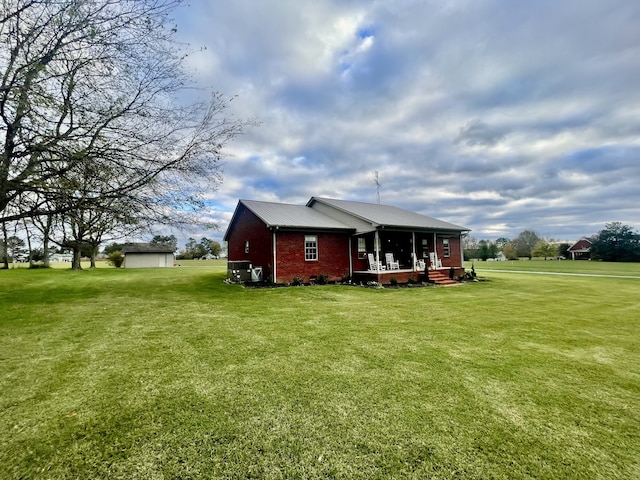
point(435, 251)
point(376, 246)
point(461, 251)
point(414, 256)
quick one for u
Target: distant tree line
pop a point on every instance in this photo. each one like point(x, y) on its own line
point(94, 142)
point(204, 248)
point(615, 243)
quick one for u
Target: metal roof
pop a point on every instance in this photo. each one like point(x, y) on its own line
point(387, 215)
point(285, 215)
point(147, 248)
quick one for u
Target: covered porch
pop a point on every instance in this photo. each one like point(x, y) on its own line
point(439, 277)
point(407, 256)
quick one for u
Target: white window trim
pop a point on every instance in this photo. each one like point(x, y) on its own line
point(446, 247)
point(310, 249)
point(362, 247)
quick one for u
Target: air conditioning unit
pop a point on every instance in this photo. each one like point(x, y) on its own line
point(256, 274)
point(239, 271)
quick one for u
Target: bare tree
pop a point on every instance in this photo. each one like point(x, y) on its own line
point(93, 84)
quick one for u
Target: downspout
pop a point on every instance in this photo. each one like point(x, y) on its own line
point(350, 259)
point(274, 255)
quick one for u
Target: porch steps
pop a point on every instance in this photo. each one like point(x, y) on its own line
point(441, 277)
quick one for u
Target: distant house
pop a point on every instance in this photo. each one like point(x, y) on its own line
point(61, 257)
point(500, 257)
point(337, 238)
point(147, 255)
point(581, 250)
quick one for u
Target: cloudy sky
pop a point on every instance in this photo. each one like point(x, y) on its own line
point(496, 115)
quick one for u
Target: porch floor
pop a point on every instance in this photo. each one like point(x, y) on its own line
point(439, 276)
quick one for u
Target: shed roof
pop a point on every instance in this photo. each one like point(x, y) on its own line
point(147, 248)
point(387, 215)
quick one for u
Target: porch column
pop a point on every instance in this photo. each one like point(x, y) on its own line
point(435, 251)
point(461, 251)
point(414, 255)
point(376, 246)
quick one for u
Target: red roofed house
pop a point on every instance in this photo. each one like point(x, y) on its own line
point(338, 239)
point(581, 250)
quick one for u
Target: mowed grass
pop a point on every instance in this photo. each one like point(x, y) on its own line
point(579, 267)
point(170, 373)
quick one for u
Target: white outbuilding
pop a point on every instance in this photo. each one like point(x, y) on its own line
point(147, 255)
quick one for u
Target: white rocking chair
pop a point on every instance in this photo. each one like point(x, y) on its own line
point(391, 263)
point(373, 265)
point(418, 264)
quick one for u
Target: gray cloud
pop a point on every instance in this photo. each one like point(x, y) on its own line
point(496, 115)
point(476, 132)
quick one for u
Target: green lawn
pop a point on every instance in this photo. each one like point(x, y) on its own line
point(583, 267)
point(170, 373)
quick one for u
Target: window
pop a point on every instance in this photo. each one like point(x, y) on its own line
point(311, 247)
point(425, 248)
point(362, 247)
point(246, 246)
point(446, 248)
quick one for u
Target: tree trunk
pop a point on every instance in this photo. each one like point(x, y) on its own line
point(6, 246)
point(94, 251)
point(45, 242)
point(26, 229)
point(77, 254)
point(45, 248)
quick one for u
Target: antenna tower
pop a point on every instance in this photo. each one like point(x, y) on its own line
point(377, 182)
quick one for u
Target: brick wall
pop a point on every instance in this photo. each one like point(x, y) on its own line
point(333, 256)
point(454, 259)
point(250, 228)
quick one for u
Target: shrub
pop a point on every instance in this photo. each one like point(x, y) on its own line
point(297, 281)
point(116, 259)
point(322, 279)
point(393, 281)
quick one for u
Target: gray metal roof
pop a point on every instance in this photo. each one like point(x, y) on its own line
point(292, 216)
point(387, 215)
point(147, 248)
point(283, 215)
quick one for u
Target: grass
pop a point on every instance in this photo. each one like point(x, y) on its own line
point(170, 373)
point(581, 267)
point(103, 263)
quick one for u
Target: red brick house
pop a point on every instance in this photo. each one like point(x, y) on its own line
point(581, 250)
point(338, 238)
